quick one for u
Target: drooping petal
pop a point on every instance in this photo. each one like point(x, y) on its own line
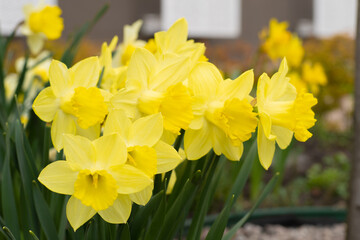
point(110, 151)
point(63, 123)
point(142, 197)
point(119, 212)
point(223, 145)
point(146, 131)
point(79, 152)
point(197, 143)
point(59, 77)
point(266, 148)
point(283, 136)
point(58, 177)
point(117, 122)
point(204, 79)
point(46, 104)
point(77, 213)
point(239, 88)
point(167, 157)
point(144, 159)
point(35, 43)
point(85, 73)
point(140, 66)
point(176, 70)
point(130, 179)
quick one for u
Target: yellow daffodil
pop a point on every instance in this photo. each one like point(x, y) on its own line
point(129, 44)
point(282, 113)
point(72, 102)
point(146, 151)
point(174, 42)
point(279, 43)
point(314, 75)
point(223, 115)
point(41, 22)
point(97, 177)
point(113, 78)
point(154, 86)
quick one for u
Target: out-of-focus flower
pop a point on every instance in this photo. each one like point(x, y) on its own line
point(72, 102)
point(279, 43)
point(282, 113)
point(41, 22)
point(129, 44)
point(314, 76)
point(97, 177)
point(223, 115)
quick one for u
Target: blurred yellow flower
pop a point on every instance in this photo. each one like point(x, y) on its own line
point(41, 22)
point(282, 112)
point(72, 102)
point(98, 178)
point(223, 115)
point(279, 43)
point(314, 75)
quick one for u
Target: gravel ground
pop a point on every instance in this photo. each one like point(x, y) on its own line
point(278, 232)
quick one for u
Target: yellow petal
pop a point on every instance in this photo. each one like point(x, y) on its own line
point(77, 213)
point(119, 212)
point(176, 70)
point(140, 66)
point(172, 182)
point(144, 159)
point(131, 32)
point(167, 157)
point(266, 125)
point(223, 145)
point(146, 131)
point(46, 104)
point(59, 77)
point(117, 122)
point(58, 177)
point(110, 151)
point(35, 43)
point(266, 148)
point(79, 152)
point(142, 197)
point(125, 99)
point(63, 123)
point(85, 73)
point(91, 133)
point(239, 88)
point(172, 39)
point(283, 136)
point(197, 143)
point(176, 116)
point(204, 79)
point(130, 179)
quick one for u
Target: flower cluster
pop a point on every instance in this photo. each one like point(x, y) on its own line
point(116, 117)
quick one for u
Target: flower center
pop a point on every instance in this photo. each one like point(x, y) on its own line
point(96, 189)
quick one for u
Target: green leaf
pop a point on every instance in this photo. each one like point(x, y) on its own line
point(143, 213)
point(43, 213)
point(177, 212)
point(206, 196)
point(158, 220)
point(8, 233)
point(125, 232)
point(269, 187)
point(218, 227)
point(33, 235)
point(7, 192)
point(70, 52)
point(243, 172)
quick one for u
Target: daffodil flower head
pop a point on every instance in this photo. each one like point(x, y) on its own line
point(223, 115)
point(72, 102)
point(314, 76)
point(146, 151)
point(41, 22)
point(157, 86)
point(97, 177)
point(282, 112)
